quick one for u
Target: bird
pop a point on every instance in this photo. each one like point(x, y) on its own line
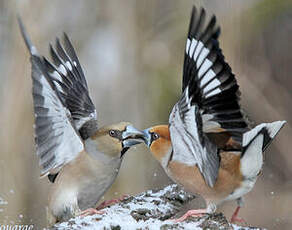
point(80, 159)
point(208, 146)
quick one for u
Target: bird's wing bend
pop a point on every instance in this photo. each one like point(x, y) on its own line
point(209, 105)
point(57, 140)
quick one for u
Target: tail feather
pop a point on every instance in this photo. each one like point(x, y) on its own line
point(269, 130)
point(272, 131)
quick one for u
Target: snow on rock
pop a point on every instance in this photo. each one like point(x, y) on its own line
point(150, 210)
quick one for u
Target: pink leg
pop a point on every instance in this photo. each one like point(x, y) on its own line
point(91, 211)
point(110, 202)
point(235, 217)
point(195, 213)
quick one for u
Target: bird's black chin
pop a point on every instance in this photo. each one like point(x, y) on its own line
point(124, 150)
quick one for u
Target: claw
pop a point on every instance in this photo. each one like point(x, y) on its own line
point(111, 202)
point(234, 217)
point(91, 211)
point(194, 213)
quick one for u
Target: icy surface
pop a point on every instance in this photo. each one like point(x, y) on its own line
point(151, 210)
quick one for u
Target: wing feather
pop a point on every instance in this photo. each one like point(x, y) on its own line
point(57, 141)
point(208, 114)
point(212, 85)
point(69, 79)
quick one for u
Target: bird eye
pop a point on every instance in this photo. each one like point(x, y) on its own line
point(112, 133)
point(155, 136)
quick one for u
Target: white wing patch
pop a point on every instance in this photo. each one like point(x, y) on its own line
point(62, 69)
point(193, 45)
point(67, 63)
point(205, 66)
point(199, 53)
point(213, 84)
point(188, 46)
point(198, 49)
point(212, 93)
point(202, 56)
point(56, 75)
point(208, 77)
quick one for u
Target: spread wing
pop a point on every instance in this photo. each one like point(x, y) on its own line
point(208, 112)
point(212, 85)
point(57, 140)
point(67, 75)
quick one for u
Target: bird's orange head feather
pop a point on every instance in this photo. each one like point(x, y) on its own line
point(158, 140)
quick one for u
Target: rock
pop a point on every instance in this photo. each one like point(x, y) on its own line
point(150, 210)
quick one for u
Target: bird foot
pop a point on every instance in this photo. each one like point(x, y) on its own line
point(235, 217)
point(237, 220)
point(91, 211)
point(111, 202)
point(194, 213)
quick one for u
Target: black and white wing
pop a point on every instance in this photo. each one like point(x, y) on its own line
point(208, 110)
point(57, 140)
point(68, 76)
point(212, 85)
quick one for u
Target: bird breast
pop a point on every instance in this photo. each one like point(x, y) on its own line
point(87, 178)
point(97, 177)
point(190, 177)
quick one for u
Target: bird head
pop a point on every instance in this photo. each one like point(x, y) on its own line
point(116, 139)
point(157, 138)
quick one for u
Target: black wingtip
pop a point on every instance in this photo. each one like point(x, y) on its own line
point(193, 13)
point(65, 36)
point(217, 33)
point(57, 42)
point(193, 18)
point(32, 49)
point(203, 11)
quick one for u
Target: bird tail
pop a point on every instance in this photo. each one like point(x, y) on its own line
point(254, 143)
point(269, 131)
point(32, 49)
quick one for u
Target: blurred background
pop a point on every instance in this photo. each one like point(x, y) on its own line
point(132, 54)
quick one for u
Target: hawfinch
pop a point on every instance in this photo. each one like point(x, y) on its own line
point(81, 159)
point(208, 147)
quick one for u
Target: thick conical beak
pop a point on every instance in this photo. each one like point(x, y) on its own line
point(147, 137)
point(132, 136)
